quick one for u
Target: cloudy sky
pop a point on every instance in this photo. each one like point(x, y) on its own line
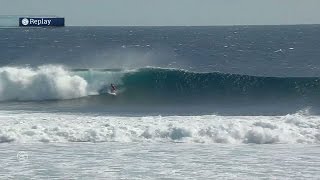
point(169, 12)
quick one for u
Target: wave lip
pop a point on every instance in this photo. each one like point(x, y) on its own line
point(44, 127)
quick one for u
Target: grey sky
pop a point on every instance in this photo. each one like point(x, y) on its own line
point(170, 12)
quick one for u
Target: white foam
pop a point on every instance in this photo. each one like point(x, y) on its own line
point(45, 82)
point(45, 127)
point(52, 82)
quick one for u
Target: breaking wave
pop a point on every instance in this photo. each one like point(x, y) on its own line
point(55, 82)
point(43, 83)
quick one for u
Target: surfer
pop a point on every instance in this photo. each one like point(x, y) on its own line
point(113, 88)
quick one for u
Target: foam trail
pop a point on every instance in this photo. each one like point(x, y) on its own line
point(42, 83)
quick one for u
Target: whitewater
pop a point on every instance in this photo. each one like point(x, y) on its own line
point(47, 82)
point(53, 146)
point(238, 102)
point(53, 115)
point(208, 129)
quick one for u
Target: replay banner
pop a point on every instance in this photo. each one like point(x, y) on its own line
point(41, 22)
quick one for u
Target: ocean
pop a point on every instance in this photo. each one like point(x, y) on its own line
point(225, 102)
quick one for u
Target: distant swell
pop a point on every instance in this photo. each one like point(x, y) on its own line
point(151, 84)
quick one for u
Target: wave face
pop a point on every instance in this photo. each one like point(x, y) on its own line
point(179, 83)
point(150, 84)
point(45, 127)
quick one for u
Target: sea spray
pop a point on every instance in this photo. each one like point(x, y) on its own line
point(42, 83)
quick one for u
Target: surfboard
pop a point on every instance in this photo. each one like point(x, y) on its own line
point(112, 93)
